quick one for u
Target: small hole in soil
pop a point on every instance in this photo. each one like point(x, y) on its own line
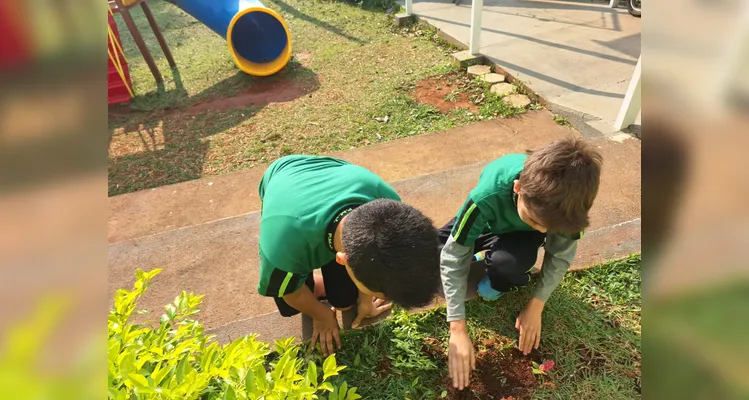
point(501, 372)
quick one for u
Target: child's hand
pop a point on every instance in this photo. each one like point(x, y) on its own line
point(529, 325)
point(327, 330)
point(369, 307)
point(460, 355)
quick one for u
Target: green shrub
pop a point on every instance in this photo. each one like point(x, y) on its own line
point(177, 360)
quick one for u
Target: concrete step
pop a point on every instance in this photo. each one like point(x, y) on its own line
point(194, 202)
point(211, 247)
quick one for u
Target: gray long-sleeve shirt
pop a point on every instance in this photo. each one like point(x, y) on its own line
point(455, 264)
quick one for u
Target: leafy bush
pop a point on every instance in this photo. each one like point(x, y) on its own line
point(177, 360)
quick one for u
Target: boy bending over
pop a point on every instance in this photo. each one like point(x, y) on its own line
point(324, 213)
point(521, 202)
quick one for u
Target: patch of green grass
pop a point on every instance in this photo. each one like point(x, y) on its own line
point(424, 31)
point(595, 357)
point(618, 282)
point(444, 69)
point(452, 96)
point(561, 120)
point(494, 107)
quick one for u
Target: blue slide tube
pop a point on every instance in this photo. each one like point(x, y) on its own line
point(258, 37)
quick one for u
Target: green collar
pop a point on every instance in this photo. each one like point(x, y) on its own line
point(333, 225)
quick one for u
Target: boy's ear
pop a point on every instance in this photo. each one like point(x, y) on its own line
point(340, 258)
point(516, 186)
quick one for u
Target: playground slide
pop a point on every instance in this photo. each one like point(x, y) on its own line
point(258, 37)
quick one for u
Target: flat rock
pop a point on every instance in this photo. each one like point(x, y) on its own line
point(465, 59)
point(403, 19)
point(478, 70)
point(493, 78)
point(517, 100)
point(502, 89)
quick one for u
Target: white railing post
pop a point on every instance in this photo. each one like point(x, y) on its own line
point(475, 44)
point(733, 61)
point(613, 3)
point(632, 100)
point(409, 7)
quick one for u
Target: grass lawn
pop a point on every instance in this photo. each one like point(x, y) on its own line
point(591, 330)
point(351, 68)
point(590, 349)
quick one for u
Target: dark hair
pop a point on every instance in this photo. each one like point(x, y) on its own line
point(392, 248)
point(559, 183)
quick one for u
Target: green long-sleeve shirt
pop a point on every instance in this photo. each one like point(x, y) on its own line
point(490, 207)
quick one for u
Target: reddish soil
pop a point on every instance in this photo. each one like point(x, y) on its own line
point(259, 94)
point(277, 89)
point(448, 92)
point(501, 373)
point(384, 367)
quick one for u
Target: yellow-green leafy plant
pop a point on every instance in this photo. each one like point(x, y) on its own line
point(175, 359)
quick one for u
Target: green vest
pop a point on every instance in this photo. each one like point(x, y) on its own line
point(492, 205)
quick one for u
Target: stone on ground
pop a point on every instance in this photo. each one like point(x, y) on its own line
point(517, 100)
point(493, 78)
point(465, 59)
point(502, 89)
point(478, 70)
point(404, 19)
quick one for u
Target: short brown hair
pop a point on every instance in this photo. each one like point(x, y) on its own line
point(559, 183)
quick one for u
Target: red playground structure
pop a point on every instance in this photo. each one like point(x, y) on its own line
point(118, 75)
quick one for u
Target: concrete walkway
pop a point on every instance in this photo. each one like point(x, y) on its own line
point(204, 232)
point(576, 54)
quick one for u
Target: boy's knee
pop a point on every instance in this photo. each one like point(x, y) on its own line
point(511, 263)
point(506, 272)
point(505, 282)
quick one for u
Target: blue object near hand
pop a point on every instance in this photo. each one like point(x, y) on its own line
point(486, 291)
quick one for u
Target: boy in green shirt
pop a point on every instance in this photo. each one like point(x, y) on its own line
point(325, 213)
point(521, 202)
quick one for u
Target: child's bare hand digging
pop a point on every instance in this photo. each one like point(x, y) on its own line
point(327, 330)
point(528, 323)
point(369, 307)
point(461, 355)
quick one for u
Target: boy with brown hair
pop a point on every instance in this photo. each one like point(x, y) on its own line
point(521, 202)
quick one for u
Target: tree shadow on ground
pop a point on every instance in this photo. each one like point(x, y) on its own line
point(290, 10)
point(373, 6)
point(170, 145)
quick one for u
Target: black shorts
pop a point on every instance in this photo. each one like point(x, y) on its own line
point(340, 290)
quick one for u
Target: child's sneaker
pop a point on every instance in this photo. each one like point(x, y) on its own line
point(480, 256)
point(486, 291)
